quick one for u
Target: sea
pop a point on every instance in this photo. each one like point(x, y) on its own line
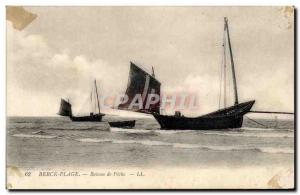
point(37, 142)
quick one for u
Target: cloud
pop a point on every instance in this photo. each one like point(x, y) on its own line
point(61, 52)
point(201, 87)
point(37, 74)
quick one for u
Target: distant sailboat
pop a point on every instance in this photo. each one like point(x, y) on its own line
point(66, 110)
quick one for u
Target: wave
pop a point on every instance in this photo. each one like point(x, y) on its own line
point(192, 146)
point(34, 136)
point(78, 128)
point(143, 142)
point(258, 135)
point(277, 150)
point(264, 129)
point(116, 141)
point(233, 132)
point(74, 128)
point(236, 133)
point(150, 131)
point(93, 140)
point(61, 126)
point(114, 129)
point(174, 131)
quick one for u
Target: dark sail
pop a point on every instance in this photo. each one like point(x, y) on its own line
point(65, 108)
point(141, 83)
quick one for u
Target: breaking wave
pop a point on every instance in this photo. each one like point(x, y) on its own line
point(113, 129)
point(93, 140)
point(218, 133)
point(277, 150)
point(61, 126)
point(264, 129)
point(191, 146)
point(79, 128)
point(34, 136)
point(145, 131)
point(258, 135)
point(174, 131)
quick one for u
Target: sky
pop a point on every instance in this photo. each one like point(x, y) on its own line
point(65, 48)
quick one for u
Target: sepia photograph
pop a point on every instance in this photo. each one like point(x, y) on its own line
point(150, 97)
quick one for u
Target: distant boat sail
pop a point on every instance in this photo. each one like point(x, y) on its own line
point(140, 85)
point(66, 110)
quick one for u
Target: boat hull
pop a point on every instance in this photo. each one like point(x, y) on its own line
point(123, 124)
point(98, 118)
point(231, 117)
point(93, 118)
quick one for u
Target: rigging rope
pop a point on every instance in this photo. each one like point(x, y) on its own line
point(256, 122)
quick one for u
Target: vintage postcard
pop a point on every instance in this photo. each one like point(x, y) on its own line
point(150, 97)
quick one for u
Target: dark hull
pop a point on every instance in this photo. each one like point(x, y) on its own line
point(98, 118)
point(122, 124)
point(93, 118)
point(231, 117)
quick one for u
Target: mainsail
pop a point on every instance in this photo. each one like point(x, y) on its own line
point(141, 84)
point(65, 108)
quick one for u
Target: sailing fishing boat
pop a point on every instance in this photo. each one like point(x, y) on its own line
point(229, 117)
point(66, 110)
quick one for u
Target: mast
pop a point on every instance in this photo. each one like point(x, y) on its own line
point(232, 63)
point(153, 72)
point(97, 96)
point(224, 50)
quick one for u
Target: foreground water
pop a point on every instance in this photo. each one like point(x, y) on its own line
point(35, 142)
